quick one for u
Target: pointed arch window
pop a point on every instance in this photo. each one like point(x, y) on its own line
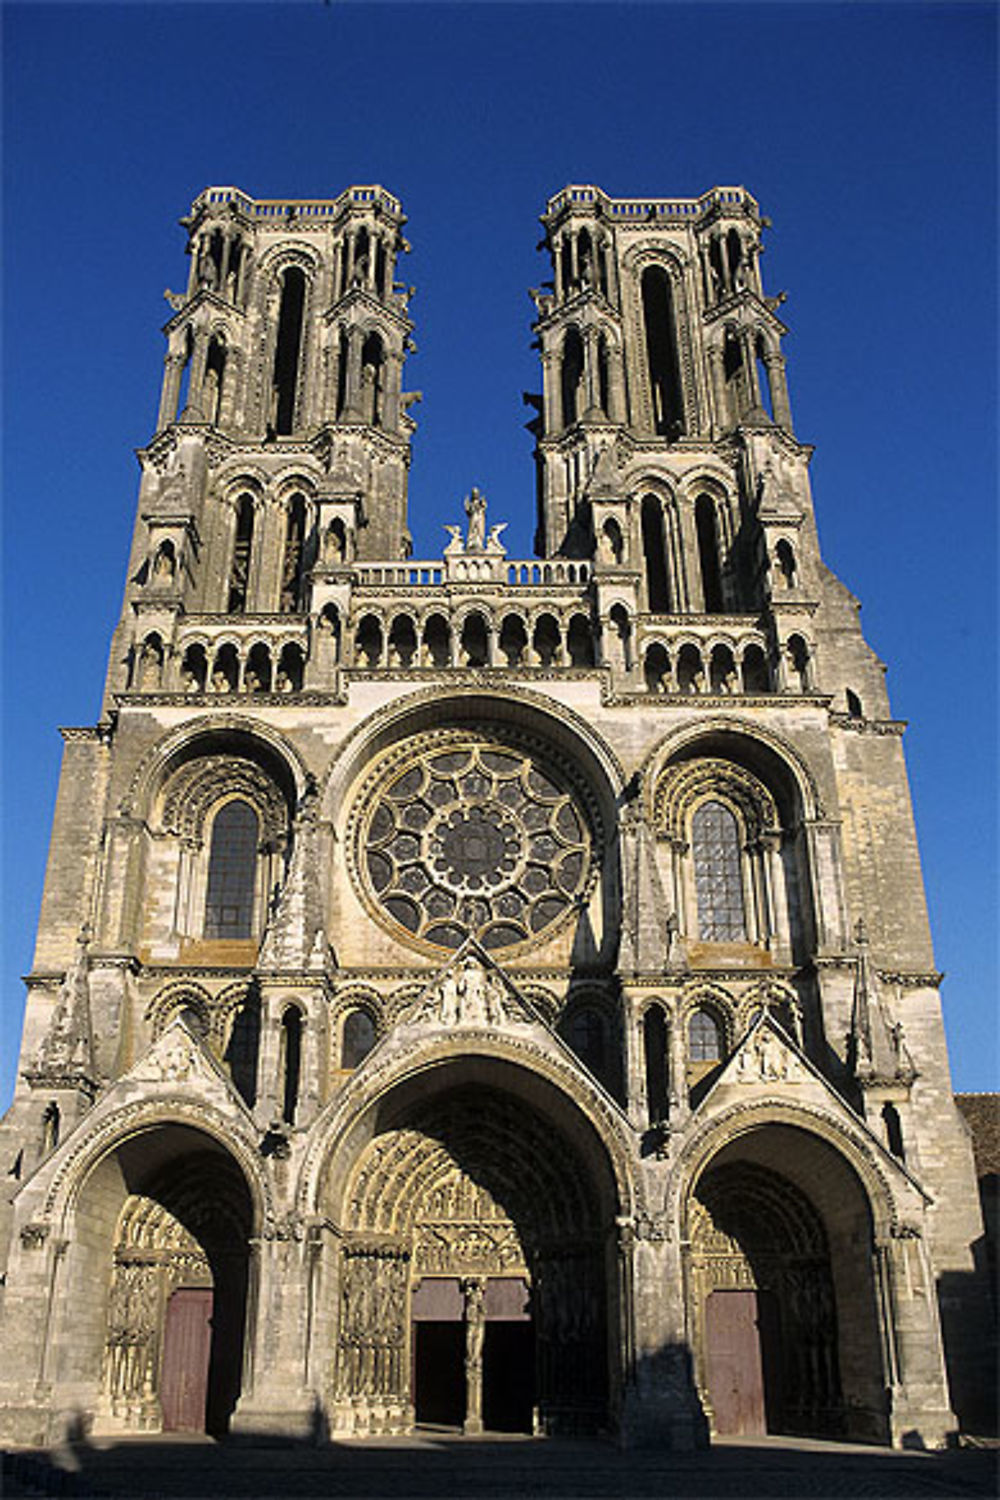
point(661, 352)
point(287, 350)
point(718, 875)
point(358, 1038)
point(239, 575)
point(654, 548)
point(704, 1041)
point(232, 872)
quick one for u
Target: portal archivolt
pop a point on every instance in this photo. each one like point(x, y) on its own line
point(473, 1281)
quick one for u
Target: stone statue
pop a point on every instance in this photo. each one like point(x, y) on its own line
point(475, 509)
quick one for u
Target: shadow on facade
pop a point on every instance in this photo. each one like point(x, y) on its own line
point(968, 1308)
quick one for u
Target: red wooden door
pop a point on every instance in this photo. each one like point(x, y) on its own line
point(733, 1359)
point(187, 1340)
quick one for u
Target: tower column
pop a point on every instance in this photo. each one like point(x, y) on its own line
point(717, 385)
point(557, 270)
point(173, 373)
point(393, 367)
point(781, 410)
point(750, 368)
point(550, 390)
point(352, 397)
point(198, 362)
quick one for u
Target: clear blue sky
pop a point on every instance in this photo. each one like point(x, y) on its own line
point(868, 133)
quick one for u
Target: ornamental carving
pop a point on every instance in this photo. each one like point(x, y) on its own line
point(202, 783)
point(465, 836)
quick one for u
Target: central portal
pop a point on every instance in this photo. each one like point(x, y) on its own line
point(473, 1278)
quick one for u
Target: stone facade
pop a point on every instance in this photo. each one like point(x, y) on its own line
point(474, 989)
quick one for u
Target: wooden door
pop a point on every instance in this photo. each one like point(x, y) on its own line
point(733, 1361)
point(187, 1342)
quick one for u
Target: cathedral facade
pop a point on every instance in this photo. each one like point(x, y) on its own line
point(481, 991)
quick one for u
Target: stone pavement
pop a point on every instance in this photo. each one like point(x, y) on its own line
point(493, 1468)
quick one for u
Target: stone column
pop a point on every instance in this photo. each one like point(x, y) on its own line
point(198, 360)
point(717, 385)
point(393, 367)
point(781, 410)
point(173, 373)
point(353, 411)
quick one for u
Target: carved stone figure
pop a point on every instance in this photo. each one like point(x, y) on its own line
point(475, 509)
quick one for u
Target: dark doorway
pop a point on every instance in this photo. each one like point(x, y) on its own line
point(509, 1377)
point(187, 1341)
point(439, 1373)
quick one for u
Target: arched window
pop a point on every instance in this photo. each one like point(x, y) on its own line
point(657, 668)
point(211, 388)
point(718, 876)
point(239, 574)
point(513, 641)
point(291, 574)
point(194, 669)
point(893, 1130)
point(291, 1062)
point(358, 1038)
point(436, 643)
point(785, 558)
point(232, 871)
point(654, 549)
point(655, 1037)
point(402, 642)
point(286, 354)
point(603, 376)
point(580, 642)
point(854, 705)
point(572, 378)
point(50, 1127)
point(704, 1041)
point(661, 352)
point(372, 380)
point(763, 378)
point(588, 1038)
point(475, 641)
point(708, 554)
point(368, 652)
point(257, 677)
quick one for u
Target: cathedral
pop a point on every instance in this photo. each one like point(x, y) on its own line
point(480, 992)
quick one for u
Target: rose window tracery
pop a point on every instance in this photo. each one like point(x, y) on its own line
point(468, 837)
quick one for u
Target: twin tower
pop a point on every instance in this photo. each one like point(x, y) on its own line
point(476, 990)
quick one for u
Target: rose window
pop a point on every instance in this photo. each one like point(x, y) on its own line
point(474, 838)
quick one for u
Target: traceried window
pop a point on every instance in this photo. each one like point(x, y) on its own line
point(718, 877)
point(232, 868)
point(466, 836)
point(703, 1038)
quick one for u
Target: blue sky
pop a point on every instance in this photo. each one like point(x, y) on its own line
point(868, 134)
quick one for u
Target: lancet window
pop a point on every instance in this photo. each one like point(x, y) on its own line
point(661, 352)
point(718, 878)
point(232, 866)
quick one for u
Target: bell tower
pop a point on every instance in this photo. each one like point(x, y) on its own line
point(283, 441)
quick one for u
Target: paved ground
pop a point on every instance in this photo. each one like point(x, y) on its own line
point(428, 1467)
